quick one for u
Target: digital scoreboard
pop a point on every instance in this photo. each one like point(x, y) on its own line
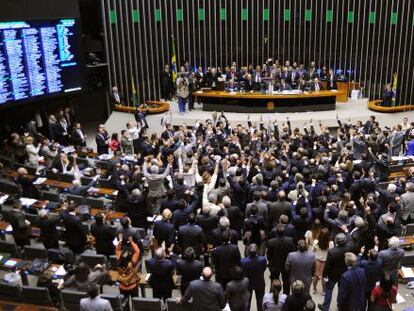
point(38, 58)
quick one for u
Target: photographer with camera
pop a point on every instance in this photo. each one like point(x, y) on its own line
point(183, 92)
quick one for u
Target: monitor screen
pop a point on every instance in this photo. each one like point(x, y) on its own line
point(38, 58)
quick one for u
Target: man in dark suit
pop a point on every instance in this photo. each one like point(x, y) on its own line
point(164, 230)
point(201, 76)
point(316, 86)
point(254, 267)
point(278, 250)
point(20, 226)
point(217, 234)
point(62, 164)
point(212, 78)
point(387, 96)
point(188, 268)
point(62, 131)
point(207, 222)
point(78, 137)
point(104, 235)
point(127, 231)
point(331, 81)
point(191, 235)
point(78, 189)
point(373, 271)
point(207, 295)
point(75, 233)
point(351, 297)
point(334, 268)
point(49, 234)
point(28, 190)
point(168, 132)
point(225, 257)
point(284, 86)
point(140, 118)
point(166, 83)
point(278, 208)
point(257, 78)
point(137, 209)
point(116, 97)
point(161, 279)
point(101, 140)
point(249, 83)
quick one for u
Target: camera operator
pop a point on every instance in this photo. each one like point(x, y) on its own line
point(182, 92)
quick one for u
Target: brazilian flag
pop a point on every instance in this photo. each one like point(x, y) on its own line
point(173, 60)
point(394, 88)
point(134, 94)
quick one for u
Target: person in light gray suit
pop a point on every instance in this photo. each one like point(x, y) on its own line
point(391, 258)
point(155, 182)
point(396, 140)
point(94, 302)
point(407, 204)
point(207, 295)
point(301, 265)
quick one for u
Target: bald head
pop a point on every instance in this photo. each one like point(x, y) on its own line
point(207, 273)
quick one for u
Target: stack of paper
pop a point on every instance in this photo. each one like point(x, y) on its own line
point(60, 271)
point(27, 201)
point(39, 181)
point(408, 272)
point(3, 198)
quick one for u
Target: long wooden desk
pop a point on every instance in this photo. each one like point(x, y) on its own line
point(406, 241)
point(61, 184)
point(18, 306)
point(263, 103)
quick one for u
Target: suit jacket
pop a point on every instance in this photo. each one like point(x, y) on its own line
point(335, 263)
point(207, 295)
point(278, 250)
point(191, 235)
point(101, 145)
point(287, 87)
point(57, 164)
point(75, 235)
point(225, 257)
point(208, 223)
point(104, 235)
point(313, 86)
point(373, 271)
point(28, 189)
point(82, 190)
point(138, 211)
point(387, 98)
point(391, 259)
point(301, 267)
point(21, 231)
point(237, 294)
point(189, 270)
point(140, 118)
point(350, 295)
point(248, 85)
point(276, 209)
point(161, 273)
point(164, 232)
point(217, 237)
point(77, 139)
point(114, 101)
point(49, 235)
point(254, 268)
point(331, 83)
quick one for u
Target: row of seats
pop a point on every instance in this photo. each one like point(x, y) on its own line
point(71, 299)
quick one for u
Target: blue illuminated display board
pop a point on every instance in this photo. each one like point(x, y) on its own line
point(38, 58)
